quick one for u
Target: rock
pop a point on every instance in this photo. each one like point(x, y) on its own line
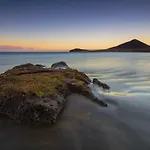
point(25, 68)
point(60, 65)
point(85, 90)
point(33, 93)
point(103, 85)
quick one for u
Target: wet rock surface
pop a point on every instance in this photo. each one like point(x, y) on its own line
point(60, 65)
point(34, 93)
point(100, 84)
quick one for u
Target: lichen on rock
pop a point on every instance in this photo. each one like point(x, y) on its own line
point(35, 93)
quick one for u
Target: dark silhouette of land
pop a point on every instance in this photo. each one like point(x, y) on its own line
point(130, 46)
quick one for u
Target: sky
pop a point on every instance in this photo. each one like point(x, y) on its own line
point(67, 24)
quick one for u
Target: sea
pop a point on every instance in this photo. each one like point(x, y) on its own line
point(123, 125)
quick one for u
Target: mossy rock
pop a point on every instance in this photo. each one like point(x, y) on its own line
point(25, 68)
point(34, 93)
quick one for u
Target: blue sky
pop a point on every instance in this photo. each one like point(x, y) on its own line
point(65, 24)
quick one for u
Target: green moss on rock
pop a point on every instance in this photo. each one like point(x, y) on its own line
point(34, 93)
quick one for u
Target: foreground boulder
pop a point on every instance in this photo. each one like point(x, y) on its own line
point(35, 93)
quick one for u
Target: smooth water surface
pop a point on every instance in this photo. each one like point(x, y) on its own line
point(124, 125)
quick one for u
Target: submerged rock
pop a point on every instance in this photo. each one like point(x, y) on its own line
point(34, 93)
point(103, 85)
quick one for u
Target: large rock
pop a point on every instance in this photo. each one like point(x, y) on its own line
point(34, 93)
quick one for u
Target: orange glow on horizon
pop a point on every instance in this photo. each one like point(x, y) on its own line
point(66, 44)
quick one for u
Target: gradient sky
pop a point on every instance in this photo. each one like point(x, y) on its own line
point(66, 24)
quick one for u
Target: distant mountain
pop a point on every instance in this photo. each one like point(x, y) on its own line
point(79, 50)
point(131, 46)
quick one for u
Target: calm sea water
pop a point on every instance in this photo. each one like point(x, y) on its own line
point(124, 125)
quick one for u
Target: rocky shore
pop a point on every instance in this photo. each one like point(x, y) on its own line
point(35, 93)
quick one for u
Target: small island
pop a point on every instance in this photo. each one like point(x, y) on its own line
point(130, 46)
point(35, 93)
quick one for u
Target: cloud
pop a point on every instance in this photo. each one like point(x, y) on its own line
point(9, 47)
point(14, 48)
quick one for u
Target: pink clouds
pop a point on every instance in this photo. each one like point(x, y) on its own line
point(14, 48)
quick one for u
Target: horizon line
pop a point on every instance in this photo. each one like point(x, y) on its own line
point(13, 48)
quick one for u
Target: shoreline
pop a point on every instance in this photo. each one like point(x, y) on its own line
point(82, 125)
